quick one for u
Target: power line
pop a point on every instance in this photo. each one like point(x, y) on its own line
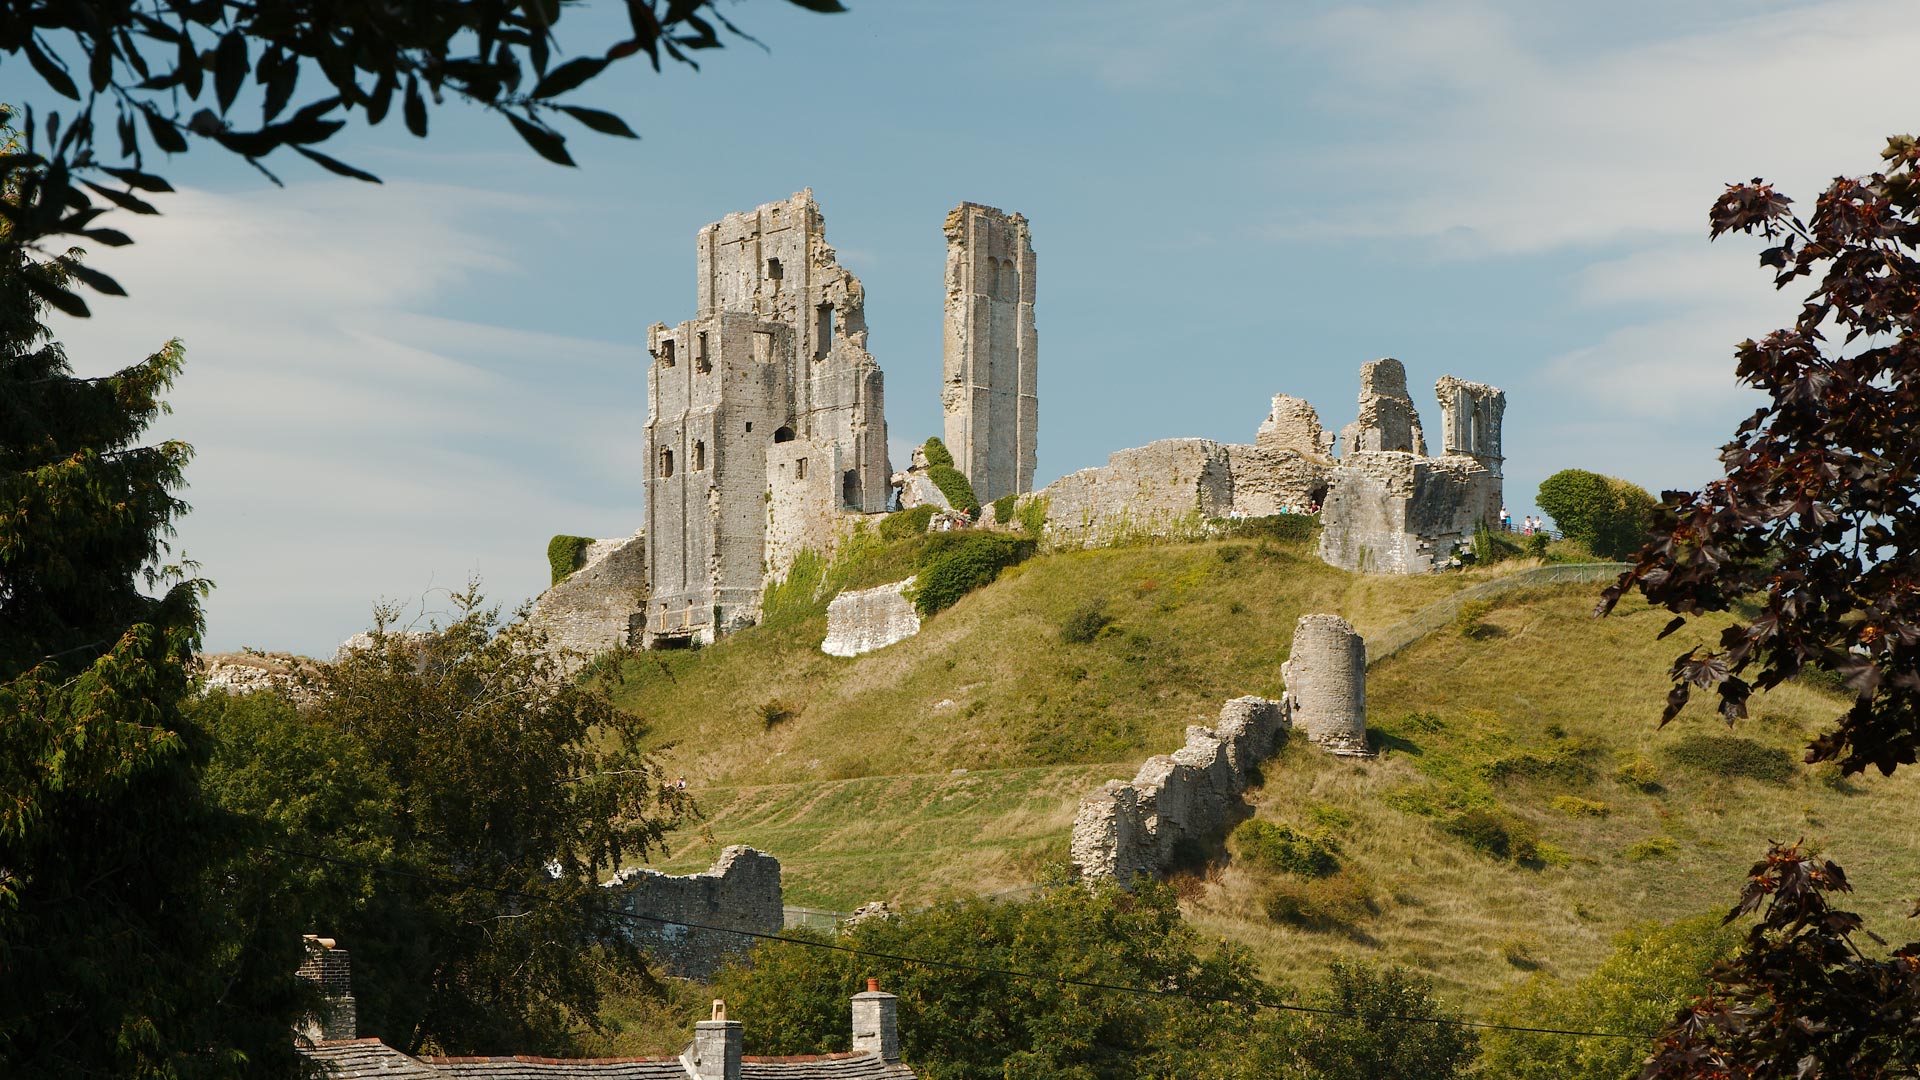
point(952, 965)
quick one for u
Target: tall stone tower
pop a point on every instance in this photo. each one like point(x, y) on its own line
point(991, 391)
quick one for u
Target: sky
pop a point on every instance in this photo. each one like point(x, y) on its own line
point(394, 389)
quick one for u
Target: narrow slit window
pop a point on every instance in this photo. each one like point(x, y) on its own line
point(666, 351)
point(699, 457)
point(822, 331)
point(700, 360)
point(800, 469)
point(666, 464)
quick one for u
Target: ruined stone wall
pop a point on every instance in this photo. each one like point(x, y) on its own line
point(1470, 418)
point(1151, 490)
point(1387, 420)
point(1270, 481)
point(1326, 678)
point(1191, 797)
point(1292, 425)
point(862, 620)
point(991, 387)
point(1392, 513)
point(802, 502)
point(594, 609)
point(740, 891)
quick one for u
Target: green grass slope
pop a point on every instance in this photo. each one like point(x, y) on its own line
point(952, 762)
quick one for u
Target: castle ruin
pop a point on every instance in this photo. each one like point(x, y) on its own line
point(991, 388)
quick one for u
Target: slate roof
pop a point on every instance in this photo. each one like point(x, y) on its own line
point(370, 1059)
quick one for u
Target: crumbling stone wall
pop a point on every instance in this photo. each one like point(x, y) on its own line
point(1470, 417)
point(1292, 425)
point(741, 891)
point(1191, 797)
point(1388, 420)
point(1149, 490)
point(594, 609)
point(862, 620)
point(1326, 677)
point(991, 388)
point(1273, 481)
point(802, 500)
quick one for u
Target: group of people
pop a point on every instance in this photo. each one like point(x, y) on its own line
point(1312, 507)
point(1529, 526)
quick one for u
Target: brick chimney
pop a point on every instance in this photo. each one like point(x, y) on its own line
point(327, 967)
point(717, 1043)
point(876, 1024)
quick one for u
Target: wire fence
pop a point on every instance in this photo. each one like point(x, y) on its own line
point(1434, 616)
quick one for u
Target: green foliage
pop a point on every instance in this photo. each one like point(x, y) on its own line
point(511, 792)
point(127, 946)
point(1496, 833)
point(1491, 547)
point(968, 1025)
point(1378, 1025)
point(1085, 622)
point(1279, 528)
point(1033, 515)
point(563, 555)
point(1536, 546)
point(1609, 515)
point(1653, 847)
point(903, 524)
point(1653, 972)
point(862, 560)
point(1638, 774)
point(1335, 903)
point(1731, 756)
point(1003, 509)
point(1469, 622)
point(937, 453)
point(953, 484)
point(956, 563)
point(1282, 847)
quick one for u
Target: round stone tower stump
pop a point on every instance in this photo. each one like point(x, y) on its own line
point(1326, 677)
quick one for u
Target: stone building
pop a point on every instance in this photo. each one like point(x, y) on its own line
point(739, 892)
point(991, 388)
point(765, 420)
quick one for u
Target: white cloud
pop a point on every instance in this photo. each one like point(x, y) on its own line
point(352, 445)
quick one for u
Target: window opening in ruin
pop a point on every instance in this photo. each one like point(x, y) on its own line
point(823, 331)
point(666, 464)
point(784, 434)
point(800, 469)
point(850, 489)
point(763, 346)
point(774, 273)
point(700, 361)
point(699, 457)
point(678, 641)
point(749, 427)
point(666, 351)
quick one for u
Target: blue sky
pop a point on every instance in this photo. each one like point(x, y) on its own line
point(394, 388)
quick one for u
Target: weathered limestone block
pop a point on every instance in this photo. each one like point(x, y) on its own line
point(862, 620)
point(1192, 796)
point(1388, 420)
point(1291, 424)
point(741, 891)
point(1395, 513)
point(1326, 677)
point(1269, 482)
point(594, 608)
point(1152, 490)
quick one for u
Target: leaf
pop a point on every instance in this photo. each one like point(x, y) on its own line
point(570, 75)
point(50, 70)
point(1676, 700)
point(334, 166)
point(415, 108)
point(134, 178)
point(164, 133)
point(109, 237)
point(546, 142)
point(57, 296)
point(123, 200)
point(823, 7)
point(229, 68)
point(1678, 622)
point(99, 281)
point(603, 122)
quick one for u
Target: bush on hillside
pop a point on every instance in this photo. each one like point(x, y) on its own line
point(1283, 528)
point(1282, 847)
point(1086, 622)
point(1731, 756)
point(564, 554)
point(905, 523)
point(1609, 515)
point(1335, 903)
point(954, 564)
point(1003, 509)
point(937, 453)
point(1495, 833)
point(1033, 515)
point(953, 484)
point(1469, 621)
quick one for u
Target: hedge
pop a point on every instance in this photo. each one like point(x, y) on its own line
point(1606, 513)
point(937, 452)
point(953, 484)
point(956, 563)
point(564, 554)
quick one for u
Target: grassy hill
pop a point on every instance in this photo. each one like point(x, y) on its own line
point(1524, 807)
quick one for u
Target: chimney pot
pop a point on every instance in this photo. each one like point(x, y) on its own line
point(873, 986)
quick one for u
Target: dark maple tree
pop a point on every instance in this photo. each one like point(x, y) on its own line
point(1816, 523)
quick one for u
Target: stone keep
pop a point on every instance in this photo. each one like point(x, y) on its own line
point(991, 388)
point(1387, 420)
point(1326, 677)
point(771, 376)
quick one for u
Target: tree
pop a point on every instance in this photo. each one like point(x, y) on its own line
point(172, 74)
point(120, 953)
point(968, 1024)
point(1607, 514)
point(511, 787)
point(1378, 1025)
point(1816, 521)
